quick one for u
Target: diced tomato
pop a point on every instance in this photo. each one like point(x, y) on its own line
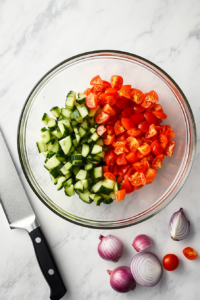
point(102, 118)
point(101, 129)
point(144, 149)
point(116, 82)
point(87, 92)
point(109, 110)
point(98, 88)
point(163, 140)
point(119, 195)
point(138, 109)
point(121, 160)
point(152, 132)
point(170, 148)
point(144, 126)
point(91, 101)
point(96, 80)
point(120, 178)
point(127, 112)
point(156, 148)
point(121, 149)
point(118, 128)
point(135, 132)
point(137, 118)
point(110, 176)
point(137, 179)
point(116, 171)
point(126, 185)
point(157, 162)
point(99, 111)
point(169, 133)
point(150, 175)
point(122, 136)
point(123, 169)
point(109, 139)
point(112, 91)
point(122, 104)
point(126, 88)
point(127, 123)
point(112, 120)
point(139, 155)
point(105, 169)
point(137, 96)
point(155, 107)
point(131, 157)
point(110, 130)
point(124, 95)
point(108, 98)
point(152, 97)
point(149, 158)
point(118, 143)
point(151, 119)
point(130, 171)
point(145, 102)
point(106, 84)
point(132, 144)
point(110, 157)
point(189, 253)
point(160, 114)
point(140, 166)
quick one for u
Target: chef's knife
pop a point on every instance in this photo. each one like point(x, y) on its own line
point(21, 215)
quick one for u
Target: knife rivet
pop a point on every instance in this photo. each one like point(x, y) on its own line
point(38, 240)
point(51, 272)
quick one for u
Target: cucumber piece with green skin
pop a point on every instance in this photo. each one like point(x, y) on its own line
point(67, 124)
point(64, 171)
point(54, 180)
point(100, 142)
point(69, 190)
point(102, 154)
point(55, 111)
point(43, 129)
point(42, 147)
point(89, 167)
point(72, 150)
point(57, 133)
point(76, 114)
point(66, 144)
point(52, 163)
point(95, 136)
point(52, 124)
point(75, 143)
point(69, 181)
point(77, 163)
point(61, 157)
point(75, 170)
point(83, 110)
point(96, 150)
point(116, 187)
point(86, 183)
point(76, 130)
point(45, 118)
point(108, 200)
point(82, 174)
point(91, 121)
point(76, 157)
point(56, 147)
point(92, 130)
point(68, 166)
point(85, 125)
point(90, 140)
point(92, 112)
point(81, 98)
point(55, 173)
point(66, 113)
point(60, 183)
point(107, 186)
point(70, 100)
point(50, 154)
point(96, 198)
point(85, 150)
point(78, 138)
point(50, 145)
point(85, 196)
point(74, 123)
point(78, 185)
point(63, 129)
point(96, 187)
point(82, 132)
point(98, 172)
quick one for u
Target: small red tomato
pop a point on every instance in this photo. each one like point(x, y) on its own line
point(91, 101)
point(121, 149)
point(106, 84)
point(151, 119)
point(127, 112)
point(137, 96)
point(170, 148)
point(119, 195)
point(137, 179)
point(132, 144)
point(160, 114)
point(116, 82)
point(138, 108)
point(169, 133)
point(109, 139)
point(118, 143)
point(190, 253)
point(140, 166)
point(152, 132)
point(122, 104)
point(152, 97)
point(150, 175)
point(156, 148)
point(132, 158)
point(110, 176)
point(102, 118)
point(87, 92)
point(110, 157)
point(124, 95)
point(110, 130)
point(127, 123)
point(118, 128)
point(144, 126)
point(112, 120)
point(144, 149)
point(126, 185)
point(137, 118)
point(108, 98)
point(170, 262)
point(96, 80)
point(109, 110)
point(135, 132)
point(163, 140)
point(157, 162)
point(121, 160)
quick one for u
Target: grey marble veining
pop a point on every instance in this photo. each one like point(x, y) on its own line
point(35, 36)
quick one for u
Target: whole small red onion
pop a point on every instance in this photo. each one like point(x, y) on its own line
point(141, 242)
point(110, 247)
point(121, 279)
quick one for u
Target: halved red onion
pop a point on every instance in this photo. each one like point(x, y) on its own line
point(146, 269)
point(179, 226)
point(110, 247)
point(141, 242)
point(121, 279)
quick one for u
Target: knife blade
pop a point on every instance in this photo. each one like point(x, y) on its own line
point(20, 214)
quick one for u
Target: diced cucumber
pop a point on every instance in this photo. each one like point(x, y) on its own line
point(61, 157)
point(96, 150)
point(52, 124)
point(45, 119)
point(102, 154)
point(56, 146)
point(77, 163)
point(46, 136)
point(66, 123)
point(107, 200)
point(92, 112)
point(52, 163)
point(96, 198)
point(70, 100)
point(43, 129)
point(92, 130)
point(95, 136)
point(83, 111)
point(75, 170)
point(57, 133)
point(66, 144)
point(54, 180)
point(82, 132)
point(88, 167)
point(116, 187)
point(96, 187)
point(74, 123)
point(55, 173)
point(71, 150)
point(60, 182)
point(107, 186)
point(85, 150)
point(66, 113)
point(81, 98)
point(98, 172)
point(78, 138)
point(55, 111)
point(76, 114)
point(69, 181)
point(76, 156)
point(82, 174)
point(85, 196)
point(63, 129)
point(91, 121)
point(86, 183)
point(78, 185)
point(100, 142)
point(85, 124)
point(69, 190)
point(75, 143)
point(42, 147)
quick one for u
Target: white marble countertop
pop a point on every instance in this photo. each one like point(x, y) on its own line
point(35, 36)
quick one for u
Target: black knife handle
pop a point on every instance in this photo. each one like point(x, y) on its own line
point(47, 265)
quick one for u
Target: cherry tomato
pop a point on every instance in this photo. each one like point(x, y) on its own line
point(124, 95)
point(123, 169)
point(98, 88)
point(137, 179)
point(110, 157)
point(96, 80)
point(119, 195)
point(140, 166)
point(109, 139)
point(139, 155)
point(149, 158)
point(87, 92)
point(150, 175)
point(190, 253)
point(152, 97)
point(101, 129)
point(120, 149)
point(156, 148)
point(112, 91)
point(120, 178)
point(110, 130)
point(112, 120)
point(127, 112)
point(157, 162)
point(116, 82)
point(121, 160)
point(109, 110)
point(106, 84)
point(163, 140)
point(160, 114)
point(118, 143)
point(151, 119)
point(122, 136)
point(135, 132)
point(144, 149)
point(108, 98)
point(155, 107)
point(126, 88)
point(91, 101)
point(152, 132)
point(145, 102)
point(170, 148)
point(102, 118)
point(127, 123)
point(137, 96)
point(132, 144)
point(169, 133)
point(105, 169)
point(137, 118)
point(118, 128)
point(170, 262)
point(110, 176)
point(138, 109)
point(126, 185)
point(132, 158)
point(144, 126)
point(122, 104)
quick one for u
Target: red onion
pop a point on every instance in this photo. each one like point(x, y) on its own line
point(146, 269)
point(110, 247)
point(179, 226)
point(141, 242)
point(121, 280)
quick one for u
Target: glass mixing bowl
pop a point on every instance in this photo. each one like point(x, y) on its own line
point(75, 74)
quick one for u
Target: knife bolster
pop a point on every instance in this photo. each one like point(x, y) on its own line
point(29, 223)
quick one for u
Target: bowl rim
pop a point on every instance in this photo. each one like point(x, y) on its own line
point(115, 52)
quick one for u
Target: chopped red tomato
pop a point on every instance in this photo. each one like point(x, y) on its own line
point(119, 195)
point(122, 104)
point(137, 179)
point(112, 91)
point(137, 118)
point(189, 253)
point(120, 178)
point(170, 148)
point(151, 119)
point(96, 80)
point(169, 133)
point(137, 96)
point(87, 92)
point(102, 118)
point(156, 148)
point(127, 123)
point(110, 176)
point(135, 132)
point(152, 97)
point(101, 129)
point(123, 169)
point(126, 88)
point(144, 126)
point(118, 143)
point(108, 98)
point(145, 102)
point(91, 101)
point(109, 110)
point(121, 160)
point(132, 144)
point(144, 149)
point(126, 185)
point(157, 162)
point(138, 108)
point(150, 175)
point(109, 139)
point(106, 84)
point(124, 95)
point(120, 149)
point(163, 140)
point(122, 136)
point(112, 120)
point(118, 128)
point(149, 158)
point(110, 157)
point(98, 88)
point(105, 169)
point(126, 113)
point(152, 132)
point(140, 166)
point(116, 82)
point(132, 158)
point(110, 130)
point(160, 114)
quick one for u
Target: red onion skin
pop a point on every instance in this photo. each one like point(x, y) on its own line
point(142, 242)
point(146, 261)
point(181, 233)
point(121, 279)
point(110, 248)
